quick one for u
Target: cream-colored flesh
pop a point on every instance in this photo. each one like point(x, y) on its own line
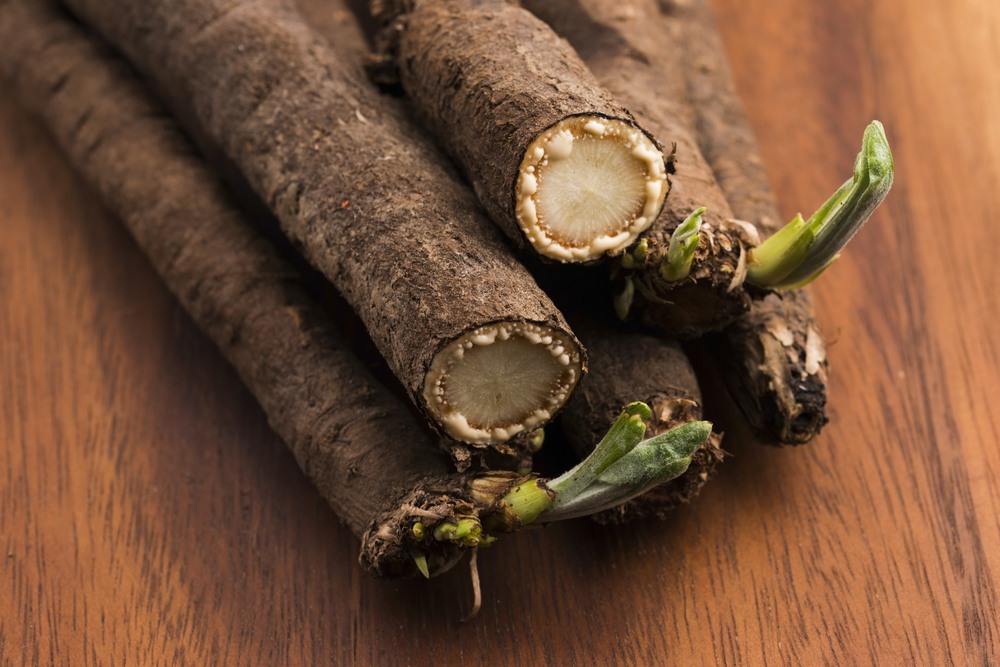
point(500, 380)
point(588, 186)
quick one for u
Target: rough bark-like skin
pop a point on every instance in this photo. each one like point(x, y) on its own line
point(628, 59)
point(367, 199)
point(334, 21)
point(630, 367)
point(487, 78)
point(355, 441)
point(778, 368)
point(775, 362)
point(387, 549)
point(677, 54)
point(708, 299)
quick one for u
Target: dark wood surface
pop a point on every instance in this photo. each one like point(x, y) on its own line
point(148, 516)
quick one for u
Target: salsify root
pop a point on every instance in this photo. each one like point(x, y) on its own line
point(625, 365)
point(774, 356)
point(432, 527)
point(556, 161)
point(358, 444)
point(774, 352)
point(368, 200)
point(686, 276)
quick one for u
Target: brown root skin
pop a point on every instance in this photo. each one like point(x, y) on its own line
point(776, 375)
point(390, 544)
point(710, 297)
point(778, 355)
point(630, 365)
point(624, 57)
point(333, 20)
point(361, 191)
point(723, 132)
point(354, 440)
point(487, 79)
point(719, 166)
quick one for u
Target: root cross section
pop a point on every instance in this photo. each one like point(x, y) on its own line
point(588, 186)
point(499, 380)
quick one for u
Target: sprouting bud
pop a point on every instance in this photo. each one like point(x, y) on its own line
point(649, 463)
point(683, 245)
point(421, 562)
point(623, 300)
point(418, 531)
point(800, 251)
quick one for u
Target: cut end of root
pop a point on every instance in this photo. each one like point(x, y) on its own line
point(501, 379)
point(588, 186)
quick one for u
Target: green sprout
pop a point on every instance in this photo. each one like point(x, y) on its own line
point(621, 438)
point(418, 530)
point(803, 249)
point(421, 561)
point(623, 300)
point(640, 251)
point(649, 463)
point(621, 467)
point(683, 244)
point(465, 531)
point(528, 500)
point(536, 439)
point(635, 257)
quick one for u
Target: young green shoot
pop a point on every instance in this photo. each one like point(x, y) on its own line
point(421, 561)
point(528, 500)
point(535, 440)
point(621, 467)
point(683, 244)
point(650, 463)
point(622, 437)
point(803, 249)
point(623, 300)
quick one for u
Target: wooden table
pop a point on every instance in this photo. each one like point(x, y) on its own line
point(148, 515)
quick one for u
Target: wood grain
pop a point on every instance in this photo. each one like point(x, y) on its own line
point(148, 516)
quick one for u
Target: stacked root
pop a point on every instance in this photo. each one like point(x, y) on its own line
point(567, 157)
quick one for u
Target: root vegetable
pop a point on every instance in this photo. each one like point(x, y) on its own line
point(798, 252)
point(354, 440)
point(705, 292)
point(555, 160)
point(626, 365)
point(357, 444)
point(369, 201)
point(775, 355)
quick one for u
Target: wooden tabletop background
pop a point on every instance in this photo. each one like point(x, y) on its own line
point(148, 515)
